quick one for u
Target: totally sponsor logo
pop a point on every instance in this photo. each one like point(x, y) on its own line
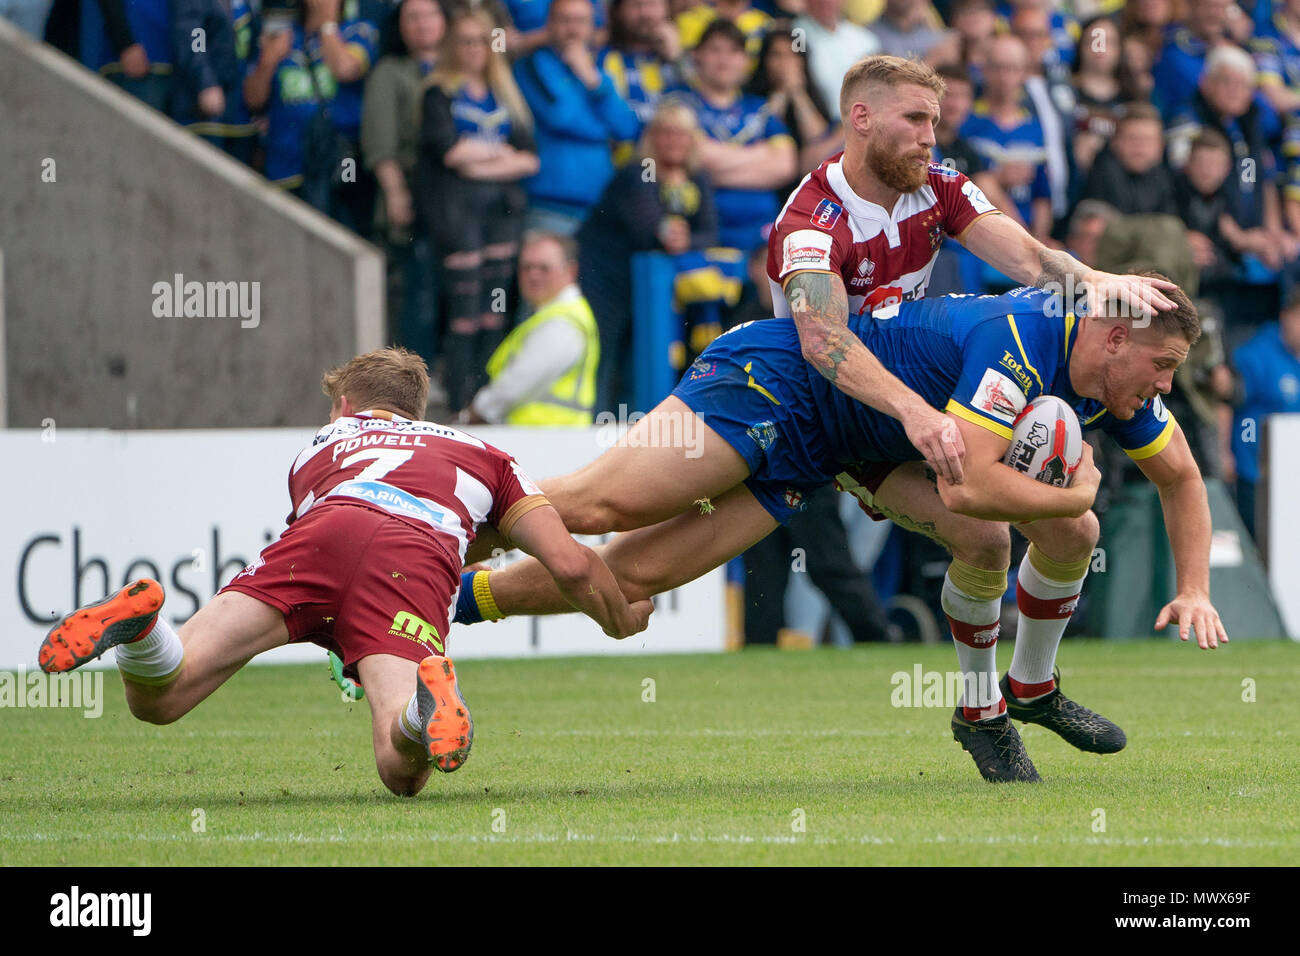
point(826, 214)
point(1023, 378)
point(407, 625)
point(999, 397)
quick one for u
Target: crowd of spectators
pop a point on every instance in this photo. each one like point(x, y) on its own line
point(442, 129)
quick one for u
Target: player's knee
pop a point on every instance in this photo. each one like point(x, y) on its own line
point(1076, 537)
point(983, 544)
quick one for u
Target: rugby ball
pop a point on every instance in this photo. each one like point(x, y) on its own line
point(1046, 441)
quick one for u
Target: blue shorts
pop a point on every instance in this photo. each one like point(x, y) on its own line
point(752, 388)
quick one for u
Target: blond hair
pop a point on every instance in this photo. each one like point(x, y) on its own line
point(393, 379)
point(673, 111)
point(888, 71)
point(449, 78)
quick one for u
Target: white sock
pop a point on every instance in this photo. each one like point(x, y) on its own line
point(153, 659)
point(975, 625)
point(1046, 607)
point(409, 722)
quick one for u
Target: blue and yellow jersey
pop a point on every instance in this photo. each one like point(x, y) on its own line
point(295, 99)
point(483, 119)
point(1277, 57)
point(753, 23)
point(982, 358)
point(1023, 142)
point(641, 79)
point(742, 213)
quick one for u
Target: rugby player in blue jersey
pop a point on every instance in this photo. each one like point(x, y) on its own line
point(763, 429)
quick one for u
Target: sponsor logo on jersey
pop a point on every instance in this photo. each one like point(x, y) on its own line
point(806, 249)
point(406, 624)
point(1015, 368)
point(762, 434)
point(1158, 409)
point(975, 196)
point(944, 170)
point(701, 368)
point(998, 397)
point(530, 487)
point(864, 274)
point(825, 214)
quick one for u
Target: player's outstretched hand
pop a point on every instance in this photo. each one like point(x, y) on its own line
point(1135, 296)
point(635, 621)
point(1193, 611)
point(938, 439)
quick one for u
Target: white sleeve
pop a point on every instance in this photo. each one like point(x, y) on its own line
point(548, 352)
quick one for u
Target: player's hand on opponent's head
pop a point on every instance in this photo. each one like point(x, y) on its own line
point(1192, 611)
point(635, 621)
point(938, 439)
point(1134, 296)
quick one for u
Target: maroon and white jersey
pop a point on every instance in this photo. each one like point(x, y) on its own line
point(435, 477)
point(884, 256)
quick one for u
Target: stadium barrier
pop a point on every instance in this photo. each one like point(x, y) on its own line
point(86, 516)
point(152, 281)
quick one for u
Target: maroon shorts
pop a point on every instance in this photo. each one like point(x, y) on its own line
point(863, 480)
point(357, 582)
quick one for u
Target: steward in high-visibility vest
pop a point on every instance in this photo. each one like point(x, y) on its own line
point(568, 399)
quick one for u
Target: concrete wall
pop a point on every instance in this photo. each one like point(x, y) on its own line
point(134, 201)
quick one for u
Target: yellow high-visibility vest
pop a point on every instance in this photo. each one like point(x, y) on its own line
point(571, 399)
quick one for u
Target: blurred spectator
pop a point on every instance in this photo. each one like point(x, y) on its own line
point(476, 145)
point(1049, 92)
point(1130, 174)
point(833, 45)
point(579, 116)
point(526, 23)
point(747, 151)
point(753, 23)
point(641, 59)
point(1225, 102)
point(671, 211)
point(390, 133)
point(1277, 56)
point(905, 30)
point(1268, 368)
point(1103, 83)
point(1088, 224)
point(1055, 47)
point(1007, 133)
point(208, 85)
point(27, 15)
point(1177, 69)
point(975, 24)
point(130, 43)
point(1204, 206)
point(544, 373)
point(309, 79)
point(1147, 23)
point(784, 79)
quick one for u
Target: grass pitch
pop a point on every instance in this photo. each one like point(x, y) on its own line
point(750, 758)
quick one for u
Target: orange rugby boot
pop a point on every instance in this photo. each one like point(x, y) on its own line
point(87, 633)
point(445, 723)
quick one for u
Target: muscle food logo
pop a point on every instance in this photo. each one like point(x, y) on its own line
point(1015, 368)
point(407, 625)
point(826, 214)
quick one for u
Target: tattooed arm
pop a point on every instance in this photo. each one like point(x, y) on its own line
point(1008, 247)
point(820, 307)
